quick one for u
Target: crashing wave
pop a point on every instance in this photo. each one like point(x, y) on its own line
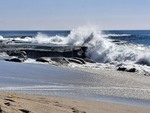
point(100, 48)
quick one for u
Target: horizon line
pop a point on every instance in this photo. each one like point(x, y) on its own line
point(71, 29)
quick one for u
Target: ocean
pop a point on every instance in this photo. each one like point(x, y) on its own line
point(131, 36)
point(126, 46)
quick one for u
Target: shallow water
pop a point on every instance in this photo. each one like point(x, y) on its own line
point(59, 81)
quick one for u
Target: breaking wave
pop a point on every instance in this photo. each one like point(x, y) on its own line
point(100, 48)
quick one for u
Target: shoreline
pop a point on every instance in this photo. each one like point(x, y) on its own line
point(25, 103)
point(109, 79)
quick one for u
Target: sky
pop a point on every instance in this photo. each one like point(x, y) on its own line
point(69, 14)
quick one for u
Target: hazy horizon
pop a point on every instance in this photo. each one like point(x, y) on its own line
point(68, 14)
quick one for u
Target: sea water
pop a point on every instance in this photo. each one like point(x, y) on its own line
point(129, 47)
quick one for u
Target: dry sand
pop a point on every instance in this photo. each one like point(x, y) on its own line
point(21, 103)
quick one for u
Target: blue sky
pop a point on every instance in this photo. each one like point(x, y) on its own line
point(68, 14)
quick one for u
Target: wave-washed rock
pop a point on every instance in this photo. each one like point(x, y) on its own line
point(126, 69)
point(17, 56)
point(15, 59)
point(61, 60)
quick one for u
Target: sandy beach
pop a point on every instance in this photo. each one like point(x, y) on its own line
point(21, 103)
point(107, 82)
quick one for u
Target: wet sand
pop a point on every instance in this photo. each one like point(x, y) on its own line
point(21, 103)
point(58, 81)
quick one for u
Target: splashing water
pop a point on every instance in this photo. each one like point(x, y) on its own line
point(100, 48)
point(1, 38)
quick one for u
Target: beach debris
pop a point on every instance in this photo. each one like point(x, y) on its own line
point(25, 111)
point(9, 100)
point(7, 103)
point(75, 110)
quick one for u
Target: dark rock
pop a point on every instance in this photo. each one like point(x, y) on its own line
point(1, 111)
point(131, 70)
point(9, 100)
point(60, 60)
point(121, 69)
point(19, 54)
point(15, 59)
point(24, 111)
point(89, 60)
point(115, 41)
point(74, 60)
point(42, 50)
point(126, 69)
point(80, 59)
point(42, 59)
point(7, 103)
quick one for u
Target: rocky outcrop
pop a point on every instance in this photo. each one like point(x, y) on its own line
point(131, 70)
point(126, 69)
point(121, 69)
point(15, 59)
point(61, 60)
point(17, 56)
point(41, 50)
